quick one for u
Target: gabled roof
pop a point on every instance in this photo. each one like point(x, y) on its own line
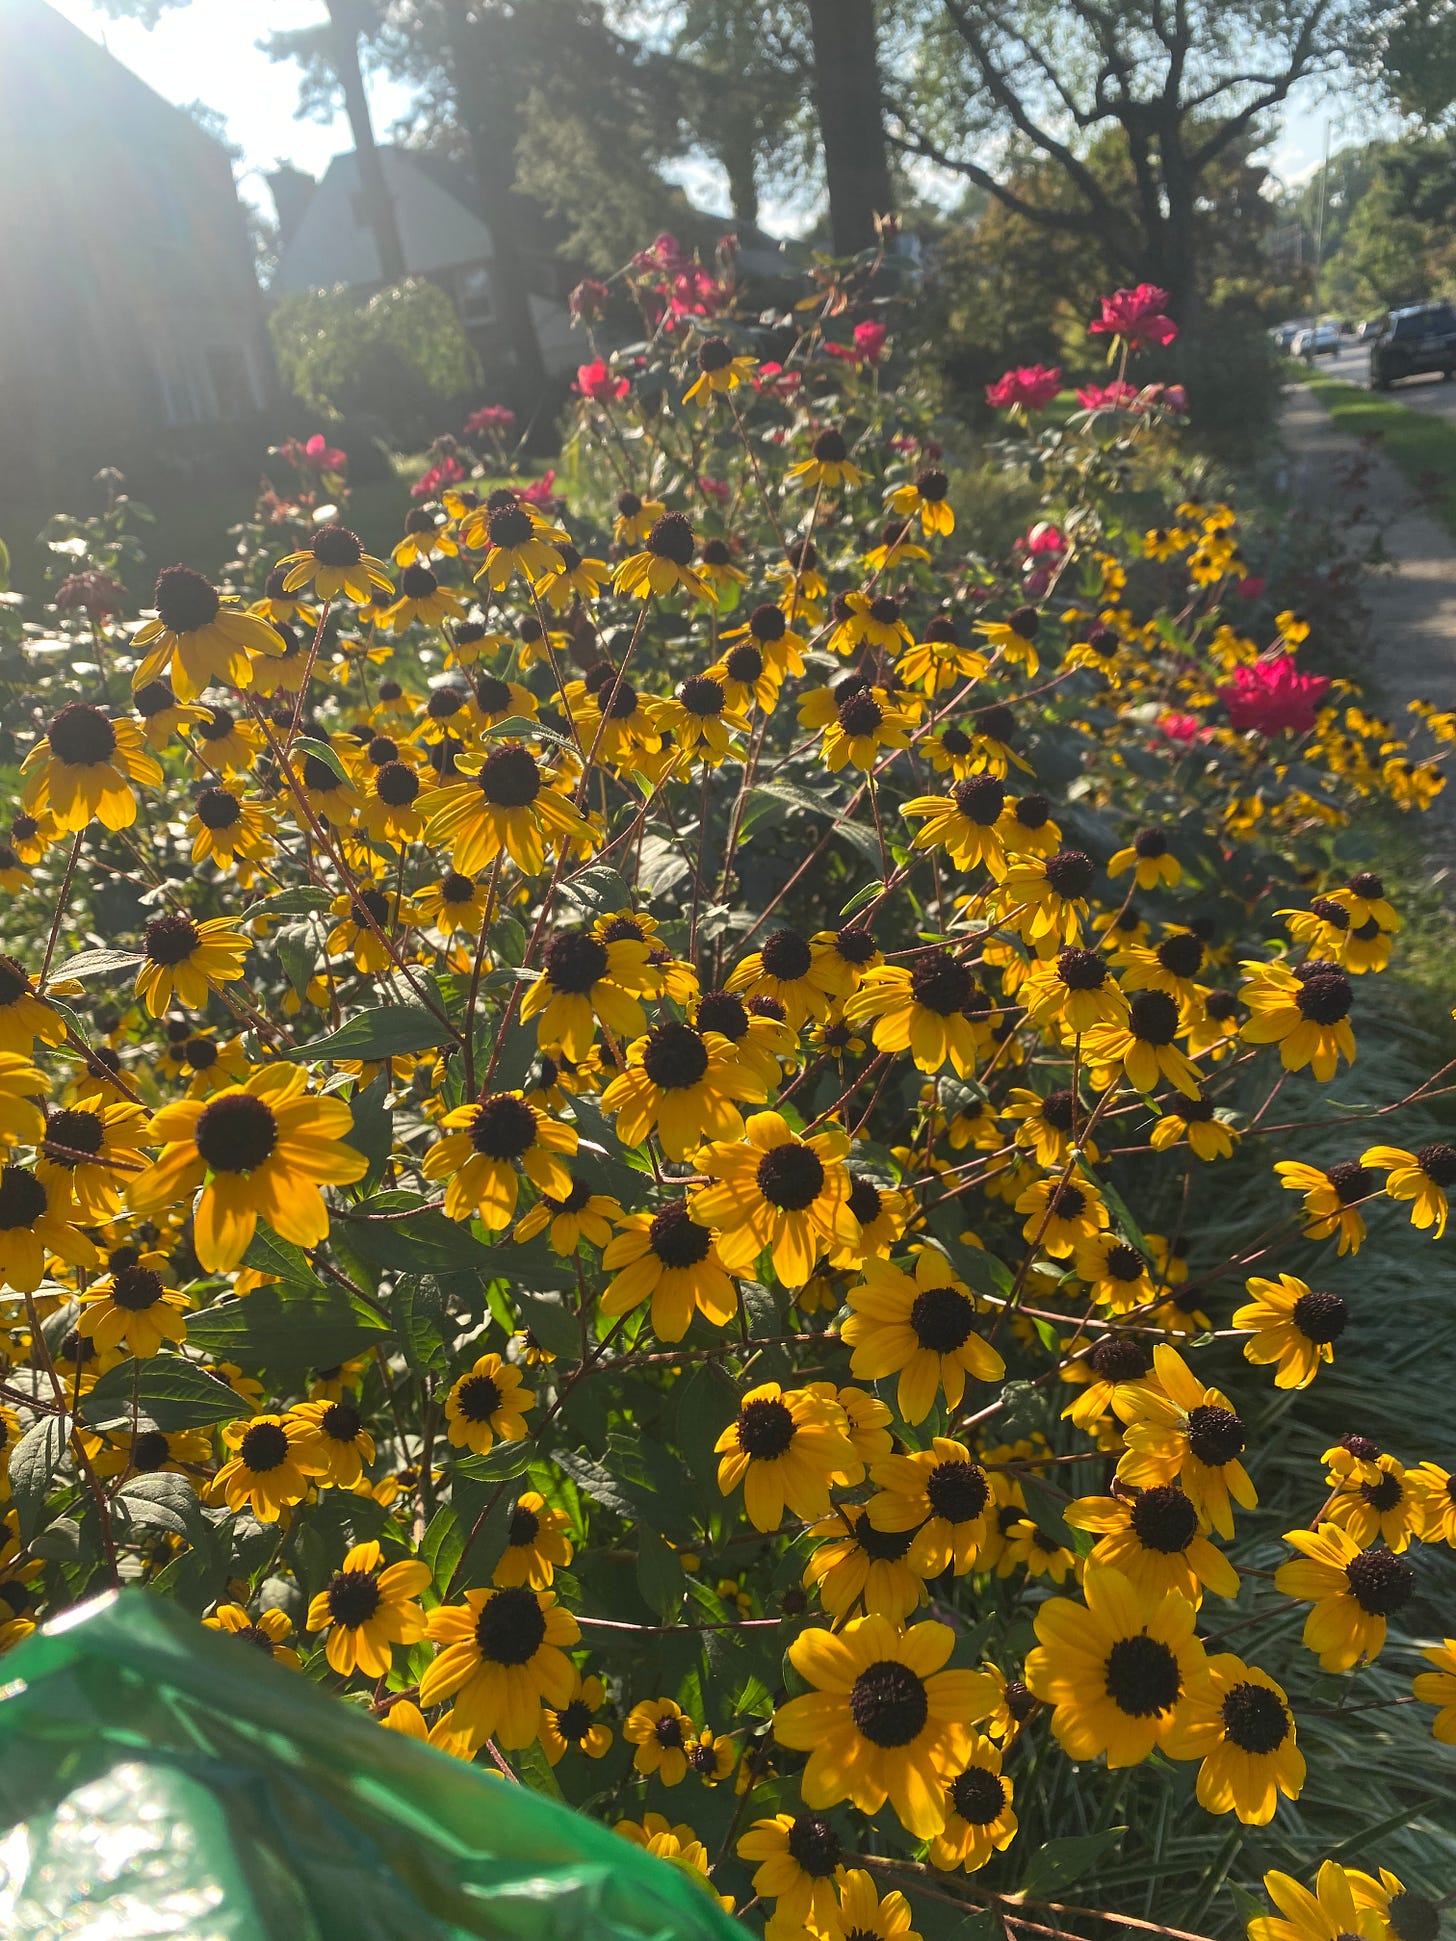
point(335, 244)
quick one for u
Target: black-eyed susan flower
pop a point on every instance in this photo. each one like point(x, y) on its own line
point(425, 537)
point(269, 1632)
point(1331, 1198)
point(926, 496)
point(1045, 897)
point(389, 813)
point(503, 800)
point(667, 1258)
point(1115, 1361)
point(881, 1213)
point(703, 720)
point(797, 1859)
point(886, 1718)
point(1061, 1213)
point(1304, 1009)
point(1375, 1502)
point(858, 1568)
point(1148, 856)
point(225, 826)
point(134, 1310)
point(1293, 1326)
point(781, 649)
point(537, 1545)
point(22, 1121)
point(224, 742)
point(502, 1656)
point(261, 1150)
point(333, 562)
point(1434, 1489)
point(198, 638)
point(36, 1225)
point(791, 970)
point(1424, 1178)
point(423, 599)
point(864, 1911)
point(860, 727)
point(965, 823)
point(1176, 1428)
point(921, 1327)
point(1353, 1591)
point(486, 1402)
point(719, 371)
point(582, 1218)
point(661, 1732)
point(784, 1446)
point(1328, 1913)
point(980, 1821)
point(686, 1085)
point(366, 1608)
point(665, 563)
point(940, 1498)
point(184, 960)
point(865, 620)
point(1076, 988)
point(1118, 1671)
point(273, 1463)
point(83, 1149)
point(406, 1717)
point(829, 466)
point(345, 1446)
point(1119, 1276)
point(921, 1008)
point(161, 713)
point(86, 768)
point(574, 1726)
point(1194, 1120)
point(1438, 1688)
point(1014, 638)
point(1238, 1723)
point(635, 518)
point(484, 1144)
point(455, 902)
point(897, 544)
point(362, 922)
point(584, 980)
point(1156, 1540)
point(776, 1192)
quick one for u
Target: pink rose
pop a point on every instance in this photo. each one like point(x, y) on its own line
point(1043, 538)
point(1032, 386)
point(1136, 316)
point(1181, 728)
point(588, 299)
point(323, 456)
point(1117, 396)
point(1273, 695)
point(490, 417)
point(869, 340)
point(595, 381)
point(714, 489)
point(1251, 586)
point(448, 471)
point(539, 492)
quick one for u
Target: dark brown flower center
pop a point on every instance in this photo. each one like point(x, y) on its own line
point(829, 447)
point(675, 1056)
point(149, 1451)
point(353, 1597)
point(1180, 955)
point(1380, 1582)
point(786, 956)
point(814, 1846)
point(980, 799)
point(511, 1627)
point(1164, 1520)
point(336, 546)
point(889, 1703)
point(1325, 997)
point(218, 809)
point(23, 1199)
point(575, 961)
point(504, 1127)
point(76, 1130)
point(185, 601)
point(791, 1176)
point(940, 982)
point(1438, 1163)
point(864, 1200)
point(702, 696)
point(1150, 844)
point(1215, 1435)
point(671, 538)
point(1081, 970)
point(1254, 1718)
point(1153, 1018)
point(942, 1318)
point(510, 778)
point(676, 1238)
point(1143, 1679)
point(137, 1289)
point(978, 1795)
point(236, 1133)
point(1070, 872)
point(263, 1448)
point(765, 1429)
point(958, 1491)
point(1320, 1316)
point(477, 1398)
point(171, 939)
point(1120, 1358)
point(82, 736)
point(396, 785)
point(417, 582)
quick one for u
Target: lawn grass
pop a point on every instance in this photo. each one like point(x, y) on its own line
point(1422, 446)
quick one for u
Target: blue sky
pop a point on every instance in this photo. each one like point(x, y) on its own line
point(207, 51)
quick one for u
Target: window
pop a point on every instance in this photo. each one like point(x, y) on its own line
point(472, 297)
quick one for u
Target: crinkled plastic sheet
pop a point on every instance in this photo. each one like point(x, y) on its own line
point(160, 1783)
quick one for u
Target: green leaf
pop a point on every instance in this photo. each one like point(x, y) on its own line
point(33, 1465)
point(387, 1031)
point(168, 1503)
point(96, 963)
point(307, 745)
point(173, 1393)
point(550, 1320)
point(441, 1545)
point(1060, 1862)
point(865, 840)
point(660, 1575)
point(271, 1254)
point(289, 903)
point(598, 1483)
point(372, 1132)
point(417, 1312)
point(596, 890)
point(536, 1771)
point(287, 1327)
point(298, 954)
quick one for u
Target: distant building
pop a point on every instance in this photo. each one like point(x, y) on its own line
point(325, 240)
point(131, 324)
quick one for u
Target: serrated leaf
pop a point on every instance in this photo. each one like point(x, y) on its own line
point(270, 1253)
point(96, 963)
point(598, 1483)
point(287, 1327)
point(596, 890)
point(169, 1503)
point(174, 1393)
point(372, 1131)
point(536, 1771)
point(33, 1465)
point(298, 954)
point(418, 1312)
point(388, 1031)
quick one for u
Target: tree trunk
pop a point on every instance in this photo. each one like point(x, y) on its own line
point(740, 165)
point(486, 100)
point(378, 205)
point(851, 126)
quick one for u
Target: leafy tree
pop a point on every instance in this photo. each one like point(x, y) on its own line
point(401, 351)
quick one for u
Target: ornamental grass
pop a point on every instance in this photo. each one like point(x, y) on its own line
point(756, 1159)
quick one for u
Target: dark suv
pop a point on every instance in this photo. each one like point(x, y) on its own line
point(1420, 338)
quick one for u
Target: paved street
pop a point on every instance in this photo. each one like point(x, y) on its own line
point(1420, 393)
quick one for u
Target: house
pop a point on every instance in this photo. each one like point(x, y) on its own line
point(326, 240)
point(131, 324)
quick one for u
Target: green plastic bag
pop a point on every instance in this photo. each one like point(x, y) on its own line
point(158, 1779)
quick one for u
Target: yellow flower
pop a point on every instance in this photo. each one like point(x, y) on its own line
point(268, 1632)
point(487, 1401)
point(186, 960)
point(22, 1121)
point(1331, 1913)
point(863, 1914)
point(1353, 1592)
point(1061, 1213)
point(198, 639)
point(1155, 1539)
point(775, 1192)
point(1294, 1326)
point(967, 823)
point(1119, 1276)
point(501, 1657)
point(583, 980)
point(1240, 1725)
point(665, 563)
point(1014, 638)
point(785, 1446)
point(262, 1150)
point(1148, 857)
point(1375, 1502)
point(573, 1724)
point(36, 1223)
point(1076, 989)
point(1142, 1043)
point(274, 1462)
point(886, 1720)
point(334, 562)
point(828, 466)
point(483, 1145)
point(1304, 1010)
point(1331, 1195)
point(922, 1009)
point(133, 1309)
point(803, 978)
point(857, 1567)
point(1438, 1688)
point(922, 1329)
point(581, 1217)
point(668, 1258)
point(536, 1543)
point(980, 1821)
point(422, 598)
point(799, 1859)
point(662, 1733)
point(367, 1608)
point(1424, 1178)
point(1119, 1671)
point(939, 1499)
point(1194, 1119)
point(83, 769)
point(925, 494)
point(719, 371)
point(506, 801)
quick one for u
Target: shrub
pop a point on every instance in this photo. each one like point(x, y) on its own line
point(733, 1181)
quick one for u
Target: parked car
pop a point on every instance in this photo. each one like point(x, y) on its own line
point(1284, 334)
point(1369, 327)
point(1320, 340)
point(1421, 337)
